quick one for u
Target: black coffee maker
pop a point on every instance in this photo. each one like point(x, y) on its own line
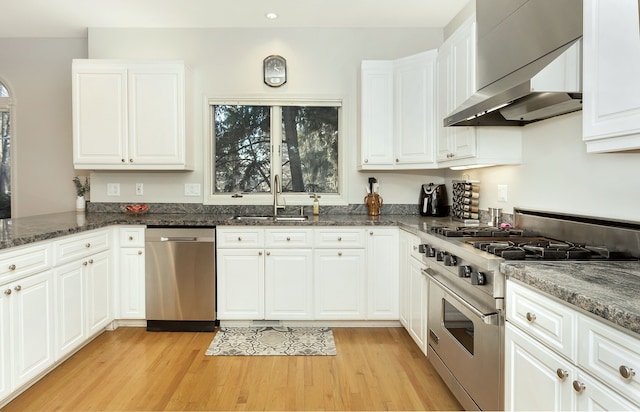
point(433, 200)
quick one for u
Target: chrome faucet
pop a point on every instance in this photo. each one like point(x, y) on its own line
point(276, 195)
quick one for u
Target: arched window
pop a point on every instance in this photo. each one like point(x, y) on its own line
point(5, 152)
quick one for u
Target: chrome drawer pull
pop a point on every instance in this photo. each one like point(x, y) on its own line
point(626, 372)
point(562, 374)
point(531, 316)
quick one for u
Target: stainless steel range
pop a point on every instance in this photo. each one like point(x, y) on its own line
point(467, 289)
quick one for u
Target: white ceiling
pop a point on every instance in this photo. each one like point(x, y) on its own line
point(71, 18)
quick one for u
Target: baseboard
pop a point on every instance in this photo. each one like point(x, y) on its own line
point(315, 323)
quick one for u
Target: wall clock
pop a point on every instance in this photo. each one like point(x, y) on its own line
point(275, 70)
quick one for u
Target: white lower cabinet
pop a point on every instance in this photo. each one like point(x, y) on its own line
point(288, 284)
point(413, 290)
point(558, 358)
point(240, 284)
point(131, 277)
point(418, 295)
point(382, 274)
point(536, 378)
point(26, 333)
point(83, 296)
point(328, 273)
point(340, 284)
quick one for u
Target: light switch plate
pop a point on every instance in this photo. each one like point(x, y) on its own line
point(139, 189)
point(113, 189)
point(502, 193)
point(192, 189)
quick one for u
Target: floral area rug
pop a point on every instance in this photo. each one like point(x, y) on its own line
point(272, 341)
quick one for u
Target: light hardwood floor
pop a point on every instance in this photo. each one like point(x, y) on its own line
point(131, 369)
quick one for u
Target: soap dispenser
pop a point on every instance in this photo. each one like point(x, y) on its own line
point(316, 204)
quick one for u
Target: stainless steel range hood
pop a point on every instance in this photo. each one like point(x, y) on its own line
point(528, 63)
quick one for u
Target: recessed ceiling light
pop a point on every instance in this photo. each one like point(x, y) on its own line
point(271, 16)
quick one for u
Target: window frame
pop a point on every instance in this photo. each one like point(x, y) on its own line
point(291, 199)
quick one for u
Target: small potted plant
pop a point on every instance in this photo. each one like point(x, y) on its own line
point(81, 190)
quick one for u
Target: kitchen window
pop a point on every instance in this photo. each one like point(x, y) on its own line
point(5, 152)
point(253, 141)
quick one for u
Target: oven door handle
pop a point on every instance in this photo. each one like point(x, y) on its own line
point(490, 319)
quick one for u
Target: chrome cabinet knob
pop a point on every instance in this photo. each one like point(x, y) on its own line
point(88, 245)
point(85, 263)
point(239, 239)
point(130, 237)
point(7, 292)
point(626, 372)
point(530, 316)
point(366, 160)
point(130, 160)
point(339, 239)
point(579, 386)
point(91, 261)
point(12, 267)
point(288, 239)
point(259, 253)
point(18, 288)
point(339, 253)
point(268, 253)
point(139, 252)
point(562, 374)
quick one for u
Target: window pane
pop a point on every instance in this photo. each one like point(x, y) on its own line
point(242, 149)
point(310, 149)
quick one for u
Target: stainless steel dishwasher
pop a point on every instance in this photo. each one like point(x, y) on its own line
point(180, 279)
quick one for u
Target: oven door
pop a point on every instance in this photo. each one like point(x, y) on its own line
point(465, 346)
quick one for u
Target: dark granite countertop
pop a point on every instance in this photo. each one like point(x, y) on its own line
point(609, 290)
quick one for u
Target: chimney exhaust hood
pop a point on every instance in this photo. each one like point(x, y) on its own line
point(529, 63)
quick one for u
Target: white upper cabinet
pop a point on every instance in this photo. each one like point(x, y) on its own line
point(611, 102)
point(398, 113)
point(129, 116)
point(456, 82)
point(376, 105)
point(414, 97)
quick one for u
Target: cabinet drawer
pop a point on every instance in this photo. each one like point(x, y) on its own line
point(610, 355)
point(240, 238)
point(339, 238)
point(132, 236)
point(288, 238)
point(549, 321)
point(22, 261)
point(79, 246)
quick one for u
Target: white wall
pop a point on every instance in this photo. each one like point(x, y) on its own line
point(228, 63)
point(38, 71)
point(558, 175)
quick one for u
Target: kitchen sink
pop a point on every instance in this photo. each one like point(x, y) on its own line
point(294, 218)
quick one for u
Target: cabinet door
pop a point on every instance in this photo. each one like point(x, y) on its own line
point(131, 283)
point(595, 396)
point(32, 326)
point(70, 308)
point(611, 112)
point(536, 379)
point(415, 109)
point(340, 284)
point(156, 114)
point(382, 276)
point(98, 292)
point(404, 255)
point(418, 292)
point(5, 341)
point(456, 83)
point(376, 117)
point(240, 284)
point(99, 114)
point(289, 284)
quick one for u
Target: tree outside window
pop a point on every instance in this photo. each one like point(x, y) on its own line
point(253, 143)
point(5, 153)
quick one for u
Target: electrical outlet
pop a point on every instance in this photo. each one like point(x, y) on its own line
point(113, 189)
point(139, 189)
point(192, 189)
point(502, 193)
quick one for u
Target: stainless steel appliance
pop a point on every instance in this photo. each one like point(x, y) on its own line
point(467, 289)
point(180, 279)
point(517, 40)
